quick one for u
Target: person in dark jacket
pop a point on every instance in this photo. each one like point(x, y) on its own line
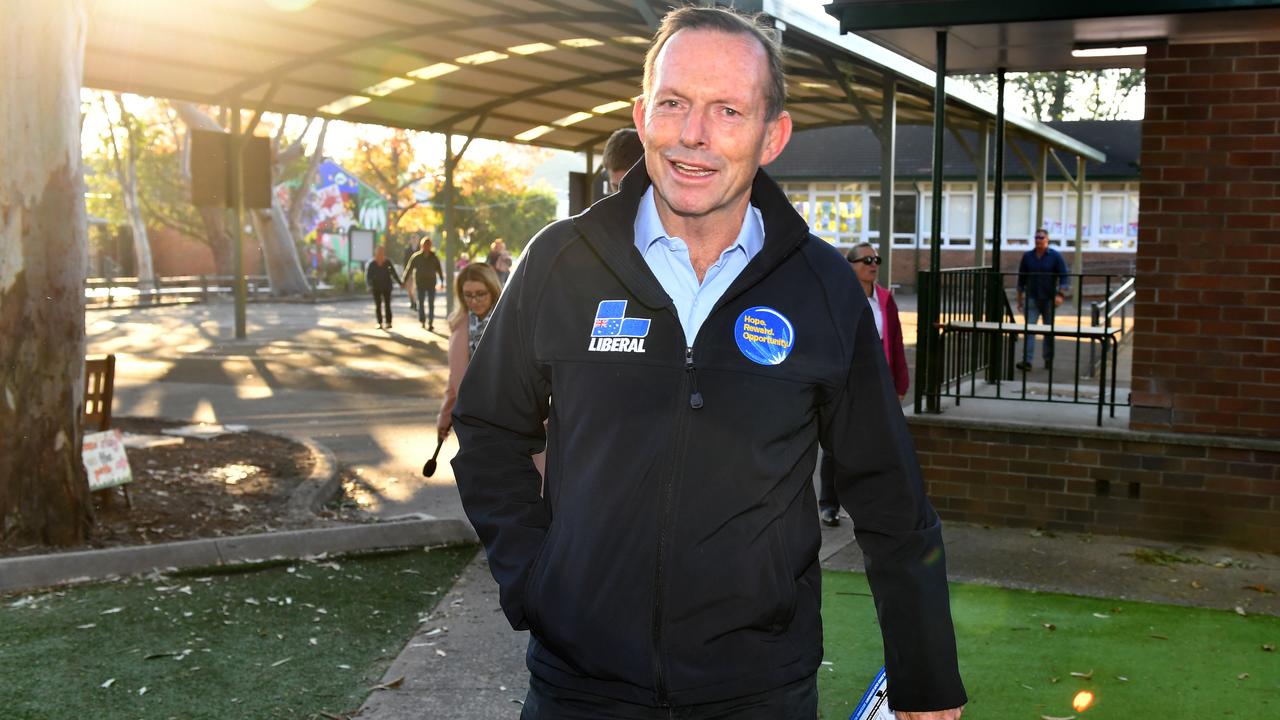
point(425, 269)
point(866, 268)
point(690, 343)
point(1043, 281)
point(378, 276)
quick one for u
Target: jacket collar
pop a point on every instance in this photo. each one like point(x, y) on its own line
point(609, 228)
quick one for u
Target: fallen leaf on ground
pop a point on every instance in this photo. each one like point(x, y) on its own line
point(1051, 717)
point(109, 682)
point(1122, 678)
point(1268, 647)
point(278, 663)
point(1049, 626)
point(1083, 676)
point(1259, 587)
point(112, 611)
point(393, 685)
point(1196, 584)
point(1242, 676)
point(1160, 637)
point(1240, 611)
point(1104, 616)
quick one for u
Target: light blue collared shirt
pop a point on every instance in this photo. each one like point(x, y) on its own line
point(668, 258)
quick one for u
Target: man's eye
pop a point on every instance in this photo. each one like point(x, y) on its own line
point(731, 112)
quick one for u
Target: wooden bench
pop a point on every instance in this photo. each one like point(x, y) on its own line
point(1108, 336)
point(99, 391)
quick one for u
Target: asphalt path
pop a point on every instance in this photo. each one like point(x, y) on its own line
point(320, 370)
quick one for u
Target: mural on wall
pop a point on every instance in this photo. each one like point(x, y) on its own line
point(337, 203)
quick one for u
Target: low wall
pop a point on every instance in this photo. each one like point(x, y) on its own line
point(1184, 488)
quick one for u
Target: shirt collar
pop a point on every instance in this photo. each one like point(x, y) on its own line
point(649, 229)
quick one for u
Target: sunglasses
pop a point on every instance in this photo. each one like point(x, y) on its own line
point(868, 260)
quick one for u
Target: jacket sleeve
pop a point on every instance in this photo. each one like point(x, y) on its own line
point(502, 403)
point(877, 479)
point(901, 377)
point(1064, 275)
point(457, 369)
point(1022, 274)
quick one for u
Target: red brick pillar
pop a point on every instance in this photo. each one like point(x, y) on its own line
point(1206, 355)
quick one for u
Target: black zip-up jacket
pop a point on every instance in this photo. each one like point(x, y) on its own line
point(379, 277)
point(673, 558)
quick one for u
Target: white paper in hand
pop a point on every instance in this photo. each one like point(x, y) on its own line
point(875, 703)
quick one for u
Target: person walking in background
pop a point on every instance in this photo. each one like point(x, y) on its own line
point(378, 276)
point(424, 269)
point(498, 247)
point(503, 267)
point(1043, 282)
point(866, 267)
point(622, 151)
point(409, 285)
point(477, 289)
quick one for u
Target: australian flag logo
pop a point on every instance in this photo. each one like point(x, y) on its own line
point(612, 321)
point(613, 331)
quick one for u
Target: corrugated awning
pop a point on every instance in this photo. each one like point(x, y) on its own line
point(555, 73)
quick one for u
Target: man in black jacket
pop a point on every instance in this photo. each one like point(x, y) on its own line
point(697, 342)
point(378, 276)
point(424, 267)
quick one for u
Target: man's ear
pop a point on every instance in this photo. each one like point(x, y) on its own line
point(637, 117)
point(777, 134)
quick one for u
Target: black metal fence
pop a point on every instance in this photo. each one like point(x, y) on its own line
point(969, 337)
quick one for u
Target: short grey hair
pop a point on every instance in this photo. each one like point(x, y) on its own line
point(853, 251)
point(726, 21)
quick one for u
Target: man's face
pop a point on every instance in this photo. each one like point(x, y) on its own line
point(379, 254)
point(866, 273)
point(426, 245)
point(704, 124)
point(1042, 242)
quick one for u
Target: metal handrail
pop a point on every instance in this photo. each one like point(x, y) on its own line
point(1114, 302)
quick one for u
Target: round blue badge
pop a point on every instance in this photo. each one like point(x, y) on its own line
point(764, 335)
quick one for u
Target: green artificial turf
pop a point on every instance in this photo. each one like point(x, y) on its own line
point(291, 640)
point(1146, 661)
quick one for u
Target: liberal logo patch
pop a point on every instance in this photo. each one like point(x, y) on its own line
point(764, 335)
point(613, 331)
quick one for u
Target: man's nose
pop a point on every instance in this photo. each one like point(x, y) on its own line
point(694, 131)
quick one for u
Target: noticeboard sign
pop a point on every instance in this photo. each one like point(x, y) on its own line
point(105, 460)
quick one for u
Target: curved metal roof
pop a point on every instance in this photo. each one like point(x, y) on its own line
point(555, 73)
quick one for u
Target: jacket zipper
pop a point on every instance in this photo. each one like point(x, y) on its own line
point(664, 515)
point(695, 397)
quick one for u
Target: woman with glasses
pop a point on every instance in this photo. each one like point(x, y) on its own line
point(866, 266)
point(477, 289)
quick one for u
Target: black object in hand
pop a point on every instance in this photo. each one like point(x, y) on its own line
point(429, 468)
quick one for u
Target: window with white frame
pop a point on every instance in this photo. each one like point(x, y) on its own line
point(834, 211)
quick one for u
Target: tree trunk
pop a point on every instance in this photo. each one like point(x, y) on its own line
point(44, 493)
point(127, 175)
point(215, 228)
point(278, 251)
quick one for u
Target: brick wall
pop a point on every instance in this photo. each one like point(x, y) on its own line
point(1206, 356)
point(1187, 488)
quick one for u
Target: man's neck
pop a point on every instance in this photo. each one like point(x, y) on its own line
point(1041, 253)
point(706, 235)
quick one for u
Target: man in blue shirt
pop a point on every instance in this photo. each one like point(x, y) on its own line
point(1043, 281)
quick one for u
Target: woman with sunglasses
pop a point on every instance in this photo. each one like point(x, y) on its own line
point(866, 266)
point(477, 288)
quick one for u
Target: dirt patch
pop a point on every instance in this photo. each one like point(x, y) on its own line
point(234, 484)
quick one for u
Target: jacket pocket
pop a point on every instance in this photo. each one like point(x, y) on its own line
point(786, 578)
point(534, 581)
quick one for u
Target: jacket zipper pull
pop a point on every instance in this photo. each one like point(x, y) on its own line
point(695, 398)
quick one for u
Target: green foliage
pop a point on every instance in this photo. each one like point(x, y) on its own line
point(162, 190)
point(288, 641)
point(1068, 94)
